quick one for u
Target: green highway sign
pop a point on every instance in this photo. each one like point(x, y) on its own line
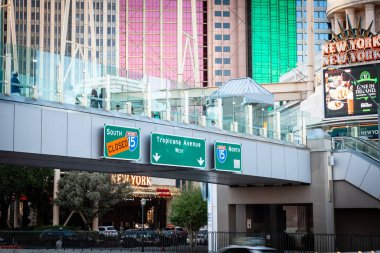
point(227, 156)
point(175, 150)
point(121, 143)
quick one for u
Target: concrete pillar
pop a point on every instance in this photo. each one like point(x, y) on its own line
point(57, 176)
point(241, 218)
point(370, 16)
point(323, 205)
point(338, 17)
point(248, 119)
point(278, 125)
point(202, 121)
point(310, 48)
point(16, 213)
point(185, 118)
point(332, 21)
point(350, 13)
point(219, 106)
point(128, 107)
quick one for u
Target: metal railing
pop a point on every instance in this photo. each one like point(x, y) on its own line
point(211, 242)
point(356, 144)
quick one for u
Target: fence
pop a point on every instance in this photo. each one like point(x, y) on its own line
point(210, 242)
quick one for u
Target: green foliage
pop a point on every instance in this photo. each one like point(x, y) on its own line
point(35, 183)
point(92, 194)
point(189, 210)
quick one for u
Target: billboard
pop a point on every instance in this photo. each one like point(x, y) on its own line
point(344, 93)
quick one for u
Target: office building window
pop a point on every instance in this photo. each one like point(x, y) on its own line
point(226, 2)
point(226, 25)
point(218, 83)
point(218, 49)
point(218, 2)
point(226, 49)
point(226, 37)
point(218, 13)
point(218, 25)
point(218, 60)
point(218, 37)
point(227, 72)
point(226, 60)
point(226, 13)
point(218, 72)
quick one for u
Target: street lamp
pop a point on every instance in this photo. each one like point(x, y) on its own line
point(372, 99)
point(143, 203)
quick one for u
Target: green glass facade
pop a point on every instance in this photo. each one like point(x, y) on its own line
point(273, 45)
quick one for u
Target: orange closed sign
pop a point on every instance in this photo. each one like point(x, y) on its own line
point(117, 146)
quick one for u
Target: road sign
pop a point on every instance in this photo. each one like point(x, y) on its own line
point(175, 150)
point(121, 143)
point(227, 156)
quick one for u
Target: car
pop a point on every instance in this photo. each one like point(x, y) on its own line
point(174, 236)
point(202, 237)
point(199, 238)
point(63, 238)
point(134, 237)
point(247, 249)
point(108, 231)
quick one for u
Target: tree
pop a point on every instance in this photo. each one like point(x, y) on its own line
point(189, 210)
point(35, 183)
point(92, 194)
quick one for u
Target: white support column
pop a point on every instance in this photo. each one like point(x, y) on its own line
point(212, 214)
point(248, 119)
point(57, 176)
point(332, 22)
point(186, 107)
point(85, 34)
point(107, 100)
point(144, 40)
point(370, 16)
point(42, 84)
point(73, 26)
point(234, 126)
point(350, 12)
point(93, 34)
point(202, 121)
point(195, 43)
point(179, 44)
point(64, 28)
point(8, 72)
point(338, 17)
point(278, 125)
point(304, 134)
point(117, 37)
point(219, 106)
point(74, 46)
point(128, 107)
point(167, 115)
point(148, 100)
point(28, 41)
point(162, 43)
point(105, 47)
point(51, 74)
point(310, 48)
point(11, 18)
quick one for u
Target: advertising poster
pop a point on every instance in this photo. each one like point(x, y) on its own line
point(344, 94)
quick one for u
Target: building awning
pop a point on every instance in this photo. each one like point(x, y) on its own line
point(155, 191)
point(247, 88)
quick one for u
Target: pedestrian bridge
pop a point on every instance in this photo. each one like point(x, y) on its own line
point(50, 134)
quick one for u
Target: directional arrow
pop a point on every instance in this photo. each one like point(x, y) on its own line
point(156, 157)
point(200, 161)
